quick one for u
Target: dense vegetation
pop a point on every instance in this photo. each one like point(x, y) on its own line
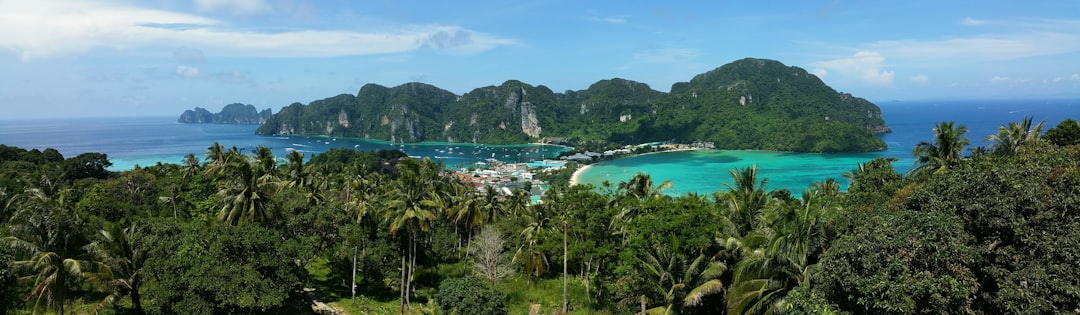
point(747, 104)
point(234, 113)
point(994, 232)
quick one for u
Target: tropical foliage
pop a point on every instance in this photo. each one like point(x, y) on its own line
point(243, 233)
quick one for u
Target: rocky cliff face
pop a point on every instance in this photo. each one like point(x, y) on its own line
point(235, 113)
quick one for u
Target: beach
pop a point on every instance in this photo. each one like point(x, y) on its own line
point(577, 173)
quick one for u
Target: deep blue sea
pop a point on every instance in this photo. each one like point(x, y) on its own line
point(149, 140)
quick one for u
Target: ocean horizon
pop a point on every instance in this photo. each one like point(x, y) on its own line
point(131, 141)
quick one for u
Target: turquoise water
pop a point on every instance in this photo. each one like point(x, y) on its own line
point(912, 122)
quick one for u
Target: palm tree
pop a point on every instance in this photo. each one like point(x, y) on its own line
point(265, 157)
point(746, 199)
point(534, 261)
point(123, 261)
point(641, 187)
point(779, 256)
point(944, 153)
point(682, 282)
point(297, 175)
point(412, 207)
point(1009, 139)
point(246, 193)
point(48, 229)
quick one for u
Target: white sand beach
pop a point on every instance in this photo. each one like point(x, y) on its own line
point(577, 173)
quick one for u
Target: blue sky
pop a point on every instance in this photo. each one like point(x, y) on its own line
point(159, 57)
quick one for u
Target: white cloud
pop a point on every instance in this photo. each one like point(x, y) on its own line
point(999, 79)
point(864, 65)
point(50, 28)
point(234, 7)
point(921, 79)
point(667, 55)
point(1007, 40)
point(187, 72)
point(820, 73)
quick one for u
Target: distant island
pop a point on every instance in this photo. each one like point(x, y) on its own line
point(751, 103)
point(236, 113)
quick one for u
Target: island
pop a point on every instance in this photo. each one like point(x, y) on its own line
point(749, 104)
point(235, 113)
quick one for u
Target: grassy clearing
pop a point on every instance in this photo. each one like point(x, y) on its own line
point(546, 292)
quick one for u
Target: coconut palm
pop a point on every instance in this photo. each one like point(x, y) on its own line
point(534, 261)
point(746, 199)
point(943, 153)
point(1010, 138)
point(246, 193)
point(412, 206)
point(641, 187)
point(47, 230)
point(297, 175)
point(123, 259)
point(683, 282)
point(780, 255)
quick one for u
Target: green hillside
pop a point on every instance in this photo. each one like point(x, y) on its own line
point(747, 104)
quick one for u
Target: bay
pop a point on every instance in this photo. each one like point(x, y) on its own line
point(912, 122)
point(132, 141)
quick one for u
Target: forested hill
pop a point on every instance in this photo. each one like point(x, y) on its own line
point(235, 113)
point(747, 104)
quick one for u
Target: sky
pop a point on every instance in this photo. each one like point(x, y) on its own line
point(93, 58)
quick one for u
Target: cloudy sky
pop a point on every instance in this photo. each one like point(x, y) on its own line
point(159, 57)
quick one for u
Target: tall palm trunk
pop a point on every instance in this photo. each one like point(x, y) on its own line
point(402, 284)
point(565, 259)
point(412, 268)
point(353, 273)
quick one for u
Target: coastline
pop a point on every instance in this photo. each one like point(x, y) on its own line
point(577, 174)
point(575, 178)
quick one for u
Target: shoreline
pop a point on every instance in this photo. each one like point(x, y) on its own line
point(576, 177)
point(577, 173)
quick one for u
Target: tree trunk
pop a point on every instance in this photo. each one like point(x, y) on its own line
point(642, 304)
point(565, 260)
point(353, 273)
point(402, 284)
point(468, 248)
point(136, 298)
point(412, 268)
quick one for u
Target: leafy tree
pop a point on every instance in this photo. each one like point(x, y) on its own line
point(87, 165)
point(943, 153)
point(220, 270)
point(1017, 210)
point(1065, 133)
point(470, 296)
point(902, 263)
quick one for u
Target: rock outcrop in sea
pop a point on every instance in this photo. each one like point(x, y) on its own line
point(235, 113)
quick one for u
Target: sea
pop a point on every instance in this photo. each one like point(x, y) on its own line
point(131, 141)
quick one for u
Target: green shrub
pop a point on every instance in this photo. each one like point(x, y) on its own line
point(464, 296)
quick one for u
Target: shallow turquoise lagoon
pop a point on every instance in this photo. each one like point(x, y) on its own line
point(706, 171)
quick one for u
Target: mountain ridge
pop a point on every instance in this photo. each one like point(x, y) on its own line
point(746, 104)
